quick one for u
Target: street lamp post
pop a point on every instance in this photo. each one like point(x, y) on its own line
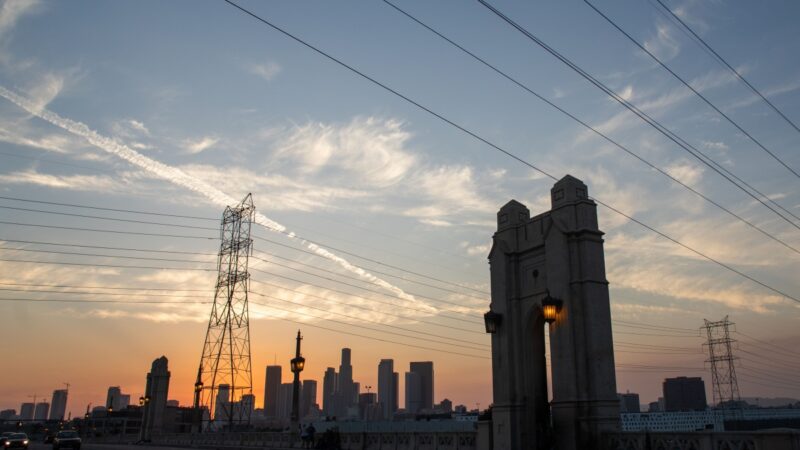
point(297, 363)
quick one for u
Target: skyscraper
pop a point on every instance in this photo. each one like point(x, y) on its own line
point(156, 391)
point(684, 394)
point(308, 397)
point(425, 371)
point(329, 392)
point(26, 411)
point(40, 413)
point(222, 404)
point(387, 388)
point(58, 405)
point(413, 392)
point(116, 400)
point(284, 403)
point(345, 392)
point(271, 387)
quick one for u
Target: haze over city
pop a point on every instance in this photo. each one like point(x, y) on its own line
point(127, 128)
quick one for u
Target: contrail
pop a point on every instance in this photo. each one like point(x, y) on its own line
point(181, 178)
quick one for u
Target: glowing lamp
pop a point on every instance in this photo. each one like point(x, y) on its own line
point(198, 386)
point(550, 308)
point(492, 320)
point(141, 401)
point(298, 364)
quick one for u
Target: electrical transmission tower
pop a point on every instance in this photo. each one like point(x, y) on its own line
point(223, 391)
point(720, 355)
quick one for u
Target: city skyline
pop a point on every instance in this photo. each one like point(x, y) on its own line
point(375, 193)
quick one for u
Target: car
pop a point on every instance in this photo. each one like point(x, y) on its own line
point(4, 438)
point(16, 440)
point(67, 438)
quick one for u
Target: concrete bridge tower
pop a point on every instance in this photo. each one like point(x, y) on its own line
point(553, 260)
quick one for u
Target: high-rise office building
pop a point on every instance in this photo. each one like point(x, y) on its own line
point(271, 387)
point(156, 391)
point(346, 395)
point(387, 388)
point(222, 404)
point(684, 394)
point(116, 400)
point(308, 397)
point(284, 406)
point(26, 411)
point(329, 392)
point(40, 412)
point(425, 371)
point(413, 392)
point(629, 403)
point(58, 404)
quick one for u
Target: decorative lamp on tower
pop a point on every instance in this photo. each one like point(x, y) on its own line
point(550, 308)
point(492, 320)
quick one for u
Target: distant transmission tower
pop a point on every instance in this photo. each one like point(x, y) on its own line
point(225, 374)
point(720, 355)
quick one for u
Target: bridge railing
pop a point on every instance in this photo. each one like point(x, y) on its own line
point(705, 440)
point(349, 441)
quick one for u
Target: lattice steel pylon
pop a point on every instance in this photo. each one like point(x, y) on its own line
point(720, 356)
point(225, 374)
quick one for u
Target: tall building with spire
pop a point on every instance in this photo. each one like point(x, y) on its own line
point(272, 387)
point(345, 392)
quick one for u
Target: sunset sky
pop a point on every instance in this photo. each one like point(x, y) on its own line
point(179, 108)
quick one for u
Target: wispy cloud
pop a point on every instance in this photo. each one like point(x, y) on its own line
point(267, 71)
point(71, 182)
point(663, 44)
point(195, 146)
point(367, 149)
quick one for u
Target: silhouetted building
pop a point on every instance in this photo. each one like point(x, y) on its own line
point(116, 400)
point(345, 390)
point(26, 411)
point(156, 391)
point(222, 408)
point(413, 393)
point(446, 406)
point(629, 403)
point(308, 397)
point(284, 407)
point(8, 414)
point(684, 394)
point(368, 408)
point(425, 372)
point(329, 392)
point(387, 388)
point(58, 404)
point(271, 387)
point(40, 413)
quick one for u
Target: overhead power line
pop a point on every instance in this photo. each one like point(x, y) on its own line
point(502, 150)
point(698, 94)
point(383, 324)
point(669, 134)
point(726, 64)
point(595, 130)
point(215, 229)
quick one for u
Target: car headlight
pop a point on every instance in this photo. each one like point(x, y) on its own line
point(25, 442)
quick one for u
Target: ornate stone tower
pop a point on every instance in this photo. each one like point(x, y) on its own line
point(555, 259)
